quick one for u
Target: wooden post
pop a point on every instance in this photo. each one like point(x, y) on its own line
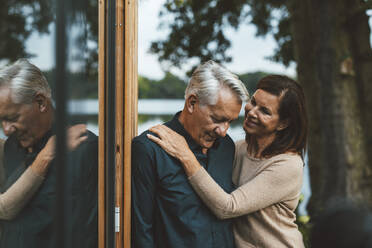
point(131, 99)
point(125, 113)
point(101, 123)
point(119, 117)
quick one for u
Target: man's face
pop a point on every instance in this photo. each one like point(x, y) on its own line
point(22, 120)
point(212, 121)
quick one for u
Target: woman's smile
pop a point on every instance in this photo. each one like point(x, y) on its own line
point(249, 122)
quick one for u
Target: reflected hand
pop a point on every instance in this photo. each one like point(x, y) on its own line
point(75, 136)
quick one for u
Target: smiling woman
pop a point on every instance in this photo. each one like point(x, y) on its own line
point(262, 117)
point(276, 118)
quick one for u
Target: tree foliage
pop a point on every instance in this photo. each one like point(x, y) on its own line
point(80, 86)
point(170, 87)
point(250, 79)
point(85, 18)
point(197, 28)
point(20, 18)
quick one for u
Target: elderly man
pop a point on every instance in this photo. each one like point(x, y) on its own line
point(166, 210)
point(26, 115)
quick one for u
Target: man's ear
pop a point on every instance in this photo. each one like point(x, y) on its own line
point(191, 102)
point(41, 102)
point(283, 125)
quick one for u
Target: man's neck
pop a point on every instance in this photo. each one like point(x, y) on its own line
point(39, 144)
point(182, 119)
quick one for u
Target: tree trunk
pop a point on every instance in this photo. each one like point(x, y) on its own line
point(337, 151)
point(359, 42)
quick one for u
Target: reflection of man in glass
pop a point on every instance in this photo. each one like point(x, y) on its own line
point(26, 114)
point(166, 210)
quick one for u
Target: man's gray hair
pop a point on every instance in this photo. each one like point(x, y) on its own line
point(209, 78)
point(25, 81)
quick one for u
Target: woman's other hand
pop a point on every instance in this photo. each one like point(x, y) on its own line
point(75, 136)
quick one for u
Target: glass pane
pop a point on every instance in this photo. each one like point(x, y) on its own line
point(29, 118)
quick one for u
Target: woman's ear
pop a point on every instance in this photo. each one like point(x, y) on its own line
point(191, 102)
point(41, 102)
point(282, 125)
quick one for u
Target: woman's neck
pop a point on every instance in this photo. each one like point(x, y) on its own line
point(259, 144)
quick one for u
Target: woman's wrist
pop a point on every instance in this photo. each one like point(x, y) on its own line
point(41, 163)
point(190, 164)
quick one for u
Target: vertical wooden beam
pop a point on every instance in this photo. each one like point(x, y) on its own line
point(131, 99)
point(125, 113)
point(126, 103)
point(101, 122)
point(119, 117)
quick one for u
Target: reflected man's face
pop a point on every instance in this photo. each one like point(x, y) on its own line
point(213, 121)
point(21, 120)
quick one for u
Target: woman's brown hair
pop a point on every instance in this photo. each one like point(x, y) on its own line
point(291, 110)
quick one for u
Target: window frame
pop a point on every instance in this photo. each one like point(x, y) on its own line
point(118, 91)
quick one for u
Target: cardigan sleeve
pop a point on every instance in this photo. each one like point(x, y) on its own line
point(279, 181)
point(14, 199)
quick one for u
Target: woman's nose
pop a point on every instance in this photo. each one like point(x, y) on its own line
point(251, 112)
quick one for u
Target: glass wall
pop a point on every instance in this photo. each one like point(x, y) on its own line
point(60, 202)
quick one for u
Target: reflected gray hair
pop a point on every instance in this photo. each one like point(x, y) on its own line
point(209, 78)
point(25, 81)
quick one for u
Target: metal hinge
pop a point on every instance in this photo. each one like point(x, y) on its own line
point(117, 219)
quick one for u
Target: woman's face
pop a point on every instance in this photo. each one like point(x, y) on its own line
point(261, 115)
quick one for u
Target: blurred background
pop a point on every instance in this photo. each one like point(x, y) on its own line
point(325, 45)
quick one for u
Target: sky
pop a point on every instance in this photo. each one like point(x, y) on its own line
point(248, 52)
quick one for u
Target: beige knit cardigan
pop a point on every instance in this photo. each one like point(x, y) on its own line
point(264, 202)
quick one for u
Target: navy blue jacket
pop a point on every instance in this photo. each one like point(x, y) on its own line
point(34, 225)
point(166, 211)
